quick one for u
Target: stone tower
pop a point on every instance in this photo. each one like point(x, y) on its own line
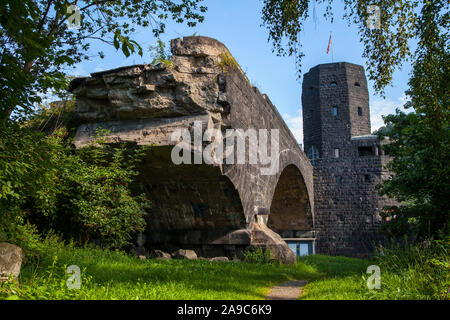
point(347, 159)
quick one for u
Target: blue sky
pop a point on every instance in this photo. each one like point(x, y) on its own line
point(237, 23)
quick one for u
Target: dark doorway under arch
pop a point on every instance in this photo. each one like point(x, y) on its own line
point(290, 213)
point(192, 205)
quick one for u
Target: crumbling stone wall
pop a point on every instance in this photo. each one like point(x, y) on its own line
point(348, 163)
point(215, 209)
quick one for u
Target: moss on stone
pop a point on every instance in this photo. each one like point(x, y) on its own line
point(227, 62)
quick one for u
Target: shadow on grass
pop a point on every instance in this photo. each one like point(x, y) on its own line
point(342, 278)
point(336, 265)
point(117, 275)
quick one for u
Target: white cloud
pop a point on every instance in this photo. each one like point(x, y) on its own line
point(380, 108)
point(99, 68)
point(295, 124)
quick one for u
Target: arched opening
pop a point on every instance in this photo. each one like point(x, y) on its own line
point(192, 205)
point(290, 214)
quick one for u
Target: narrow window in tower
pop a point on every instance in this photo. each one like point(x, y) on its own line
point(313, 154)
point(338, 179)
point(367, 178)
point(359, 111)
point(357, 84)
point(333, 84)
point(336, 153)
point(335, 111)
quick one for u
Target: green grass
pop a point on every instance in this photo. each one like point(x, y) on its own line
point(410, 272)
point(116, 275)
point(344, 278)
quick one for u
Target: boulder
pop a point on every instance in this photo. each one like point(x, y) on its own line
point(10, 260)
point(223, 259)
point(159, 254)
point(184, 254)
point(139, 251)
point(279, 250)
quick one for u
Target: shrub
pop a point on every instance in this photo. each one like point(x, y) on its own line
point(160, 54)
point(83, 194)
point(94, 199)
point(257, 255)
point(101, 200)
point(57, 115)
point(227, 62)
point(28, 163)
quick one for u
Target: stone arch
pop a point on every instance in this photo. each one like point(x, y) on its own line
point(192, 205)
point(290, 211)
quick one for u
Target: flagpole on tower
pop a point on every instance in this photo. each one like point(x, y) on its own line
point(332, 50)
point(330, 46)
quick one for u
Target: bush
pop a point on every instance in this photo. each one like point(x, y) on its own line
point(257, 255)
point(100, 198)
point(94, 199)
point(227, 62)
point(27, 174)
point(84, 194)
point(160, 54)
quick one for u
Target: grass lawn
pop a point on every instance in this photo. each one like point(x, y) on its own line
point(115, 275)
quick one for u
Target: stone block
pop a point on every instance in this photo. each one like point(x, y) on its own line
point(184, 254)
point(10, 260)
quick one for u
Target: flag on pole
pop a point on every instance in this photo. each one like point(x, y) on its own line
point(329, 44)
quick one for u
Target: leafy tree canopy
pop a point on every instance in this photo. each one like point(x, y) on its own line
point(386, 46)
point(420, 140)
point(37, 42)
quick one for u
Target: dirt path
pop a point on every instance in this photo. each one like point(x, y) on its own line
point(289, 290)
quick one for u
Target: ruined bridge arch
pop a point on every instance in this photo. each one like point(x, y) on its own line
point(290, 213)
point(216, 209)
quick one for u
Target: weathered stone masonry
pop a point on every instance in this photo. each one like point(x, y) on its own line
point(214, 209)
point(222, 209)
point(348, 160)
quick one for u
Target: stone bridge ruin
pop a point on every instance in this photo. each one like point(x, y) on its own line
point(215, 209)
